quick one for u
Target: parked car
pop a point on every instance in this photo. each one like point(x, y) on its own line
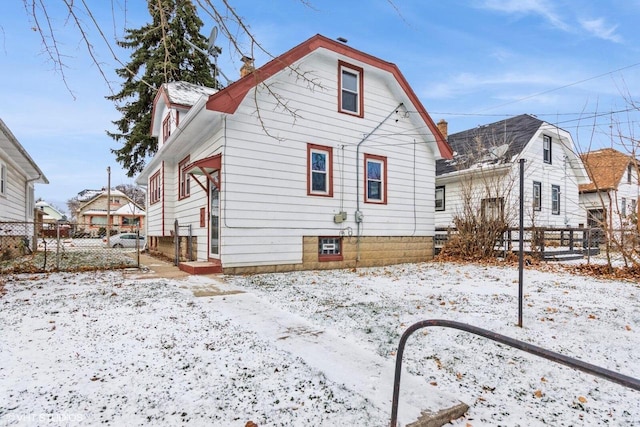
point(127, 240)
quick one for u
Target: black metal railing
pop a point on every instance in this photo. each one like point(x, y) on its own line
point(615, 377)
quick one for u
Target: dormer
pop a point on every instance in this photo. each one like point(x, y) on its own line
point(171, 103)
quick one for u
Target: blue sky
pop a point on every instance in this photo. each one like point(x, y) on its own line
point(570, 62)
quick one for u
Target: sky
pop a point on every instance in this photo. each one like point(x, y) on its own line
point(574, 63)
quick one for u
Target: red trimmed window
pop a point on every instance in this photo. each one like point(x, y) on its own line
point(375, 169)
point(329, 249)
point(350, 85)
point(154, 188)
point(166, 127)
point(319, 170)
point(184, 179)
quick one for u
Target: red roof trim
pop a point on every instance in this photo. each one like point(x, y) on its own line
point(228, 99)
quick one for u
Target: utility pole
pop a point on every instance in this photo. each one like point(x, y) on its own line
point(108, 204)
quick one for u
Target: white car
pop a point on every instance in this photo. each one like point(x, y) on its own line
point(127, 240)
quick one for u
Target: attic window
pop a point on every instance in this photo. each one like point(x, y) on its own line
point(629, 169)
point(546, 148)
point(351, 89)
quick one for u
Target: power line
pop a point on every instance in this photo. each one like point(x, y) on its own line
point(563, 87)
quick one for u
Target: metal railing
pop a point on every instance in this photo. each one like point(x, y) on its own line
point(598, 371)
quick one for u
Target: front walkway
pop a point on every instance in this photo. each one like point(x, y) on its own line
point(344, 361)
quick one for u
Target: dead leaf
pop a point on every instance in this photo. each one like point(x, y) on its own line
point(538, 394)
point(582, 399)
point(592, 316)
point(433, 383)
point(543, 379)
point(628, 328)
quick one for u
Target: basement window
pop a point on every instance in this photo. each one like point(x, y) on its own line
point(329, 249)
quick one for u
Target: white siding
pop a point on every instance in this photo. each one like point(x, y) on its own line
point(265, 207)
point(14, 200)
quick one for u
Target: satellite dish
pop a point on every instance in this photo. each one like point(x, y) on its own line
point(211, 46)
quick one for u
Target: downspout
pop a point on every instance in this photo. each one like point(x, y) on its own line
point(34, 239)
point(358, 214)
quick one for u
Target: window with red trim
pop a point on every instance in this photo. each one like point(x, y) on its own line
point(184, 179)
point(350, 86)
point(329, 248)
point(155, 188)
point(375, 171)
point(166, 127)
point(319, 170)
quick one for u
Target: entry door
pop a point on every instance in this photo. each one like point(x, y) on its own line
point(214, 220)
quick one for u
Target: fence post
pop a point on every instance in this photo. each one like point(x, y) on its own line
point(176, 242)
point(57, 245)
point(190, 243)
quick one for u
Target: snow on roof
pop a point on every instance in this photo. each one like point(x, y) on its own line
point(185, 93)
point(129, 209)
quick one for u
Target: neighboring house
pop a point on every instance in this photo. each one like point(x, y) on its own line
point(18, 174)
point(124, 213)
point(50, 215)
point(610, 200)
point(322, 158)
point(52, 222)
point(484, 174)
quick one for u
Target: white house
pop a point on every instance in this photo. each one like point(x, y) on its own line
point(18, 174)
point(610, 200)
point(322, 158)
point(485, 174)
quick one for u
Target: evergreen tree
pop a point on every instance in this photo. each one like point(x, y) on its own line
point(161, 55)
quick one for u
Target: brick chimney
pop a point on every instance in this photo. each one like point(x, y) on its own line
point(443, 127)
point(248, 66)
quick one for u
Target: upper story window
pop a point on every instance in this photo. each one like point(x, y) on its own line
point(184, 179)
point(555, 199)
point(155, 188)
point(537, 196)
point(166, 127)
point(375, 168)
point(3, 179)
point(319, 170)
point(623, 207)
point(168, 124)
point(546, 148)
point(440, 198)
point(629, 173)
point(350, 79)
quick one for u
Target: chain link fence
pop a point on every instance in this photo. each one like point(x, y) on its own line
point(44, 247)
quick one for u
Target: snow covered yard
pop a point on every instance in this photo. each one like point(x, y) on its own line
point(97, 348)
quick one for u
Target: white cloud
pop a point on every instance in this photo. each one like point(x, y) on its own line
point(542, 8)
point(600, 29)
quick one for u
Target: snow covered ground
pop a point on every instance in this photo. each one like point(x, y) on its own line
point(102, 348)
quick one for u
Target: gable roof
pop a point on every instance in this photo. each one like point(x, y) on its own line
point(228, 99)
point(19, 155)
point(606, 168)
point(492, 144)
